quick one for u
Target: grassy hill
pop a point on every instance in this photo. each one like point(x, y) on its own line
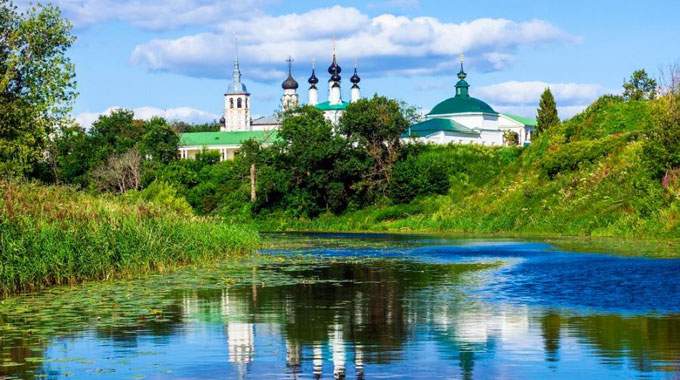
point(586, 177)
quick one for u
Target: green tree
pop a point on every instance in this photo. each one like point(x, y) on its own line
point(375, 126)
point(115, 133)
point(547, 112)
point(37, 83)
point(159, 141)
point(662, 144)
point(640, 86)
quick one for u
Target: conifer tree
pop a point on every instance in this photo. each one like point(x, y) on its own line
point(547, 112)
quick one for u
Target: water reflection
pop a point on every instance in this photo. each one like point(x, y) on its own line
point(350, 318)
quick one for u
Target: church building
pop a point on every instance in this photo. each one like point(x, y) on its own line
point(463, 119)
point(237, 124)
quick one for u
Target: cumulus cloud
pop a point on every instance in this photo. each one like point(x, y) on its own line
point(385, 44)
point(522, 97)
point(154, 14)
point(527, 93)
point(186, 114)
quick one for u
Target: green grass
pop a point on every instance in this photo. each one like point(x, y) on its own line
point(586, 178)
point(56, 235)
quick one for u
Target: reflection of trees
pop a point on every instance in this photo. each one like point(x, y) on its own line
point(355, 306)
point(646, 341)
point(550, 330)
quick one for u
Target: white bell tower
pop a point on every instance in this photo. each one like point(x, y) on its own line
point(236, 103)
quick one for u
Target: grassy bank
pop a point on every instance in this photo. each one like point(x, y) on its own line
point(587, 178)
point(56, 235)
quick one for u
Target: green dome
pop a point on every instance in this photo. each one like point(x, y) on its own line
point(461, 104)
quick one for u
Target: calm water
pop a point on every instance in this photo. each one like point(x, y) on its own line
point(361, 307)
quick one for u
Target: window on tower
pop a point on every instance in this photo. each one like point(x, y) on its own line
point(246, 102)
point(231, 103)
point(238, 103)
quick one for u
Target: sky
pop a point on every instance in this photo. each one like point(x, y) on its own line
point(173, 58)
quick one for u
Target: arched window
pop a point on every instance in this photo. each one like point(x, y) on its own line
point(246, 102)
point(238, 103)
point(231, 103)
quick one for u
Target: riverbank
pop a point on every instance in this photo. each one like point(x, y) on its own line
point(56, 235)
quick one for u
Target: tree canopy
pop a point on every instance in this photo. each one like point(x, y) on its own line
point(639, 86)
point(547, 112)
point(37, 83)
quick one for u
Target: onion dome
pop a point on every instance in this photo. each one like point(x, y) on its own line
point(313, 80)
point(334, 68)
point(335, 77)
point(355, 78)
point(290, 83)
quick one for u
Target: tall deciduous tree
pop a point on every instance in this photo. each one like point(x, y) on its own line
point(547, 112)
point(640, 86)
point(375, 125)
point(37, 83)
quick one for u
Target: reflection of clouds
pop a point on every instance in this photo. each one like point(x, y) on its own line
point(480, 323)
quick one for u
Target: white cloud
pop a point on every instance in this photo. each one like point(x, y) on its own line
point(186, 114)
point(522, 97)
point(526, 93)
point(154, 14)
point(385, 44)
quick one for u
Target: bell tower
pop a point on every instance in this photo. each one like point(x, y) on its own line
point(236, 103)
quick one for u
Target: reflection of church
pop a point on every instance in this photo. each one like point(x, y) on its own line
point(237, 124)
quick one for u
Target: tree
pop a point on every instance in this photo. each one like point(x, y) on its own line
point(37, 82)
point(375, 125)
point(159, 141)
point(640, 86)
point(547, 112)
point(510, 138)
point(115, 133)
point(120, 173)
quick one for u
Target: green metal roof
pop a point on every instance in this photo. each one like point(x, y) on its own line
point(224, 138)
point(431, 126)
point(521, 119)
point(461, 104)
point(326, 106)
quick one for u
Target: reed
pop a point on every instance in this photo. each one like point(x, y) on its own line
point(57, 235)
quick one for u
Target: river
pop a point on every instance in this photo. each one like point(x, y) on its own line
point(360, 307)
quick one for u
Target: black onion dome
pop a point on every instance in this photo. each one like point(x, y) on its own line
point(335, 78)
point(334, 68)
point(355, 78)
point(313, 80)
point(289, 83)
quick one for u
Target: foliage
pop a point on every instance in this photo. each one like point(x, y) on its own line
point(310, 169)
point(414, 177)
point(511, 138)
point(375, 126)
point(640, 86)
point(588, 176)
point(94, 157)
point(56, 235)
point(120, 173)
point(159, 141)
point(163, 195)
point(36, 83)
point(547, 112)
point(662, 145)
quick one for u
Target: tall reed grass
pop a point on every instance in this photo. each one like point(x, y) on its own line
point(57, 235)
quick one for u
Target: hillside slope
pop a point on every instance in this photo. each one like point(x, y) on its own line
point(586, 177)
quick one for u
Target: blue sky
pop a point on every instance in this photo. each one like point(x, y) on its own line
point(173, 58)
